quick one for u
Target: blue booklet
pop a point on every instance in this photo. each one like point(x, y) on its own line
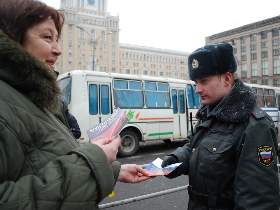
point(155, 168)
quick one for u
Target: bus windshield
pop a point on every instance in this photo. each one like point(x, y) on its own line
point(65, 86)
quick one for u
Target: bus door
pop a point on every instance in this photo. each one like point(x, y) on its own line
point(179, 113)
point(193, 105)
point(99, 102)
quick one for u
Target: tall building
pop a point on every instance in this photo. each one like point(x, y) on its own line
point(89, 32)
point(90, 41)
point(256, 49)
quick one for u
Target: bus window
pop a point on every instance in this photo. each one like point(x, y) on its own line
point(182, 101)
point(157, 95)
point(190, 96)
point(105, 99)
point(93, 99)
point(120, 84)
point(193, 97)
point(128, 94)
point(269, 96)
point(174, 101)
point(278, 101)
point(196, 97)
point(65, 86)
point(260, 98)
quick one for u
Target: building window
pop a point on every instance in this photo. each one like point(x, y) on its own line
point(243, 57)
point(264, 54)
point(265, 82)
point(254, 56)
point(254, 69)
point(253, 46)
point(264, 35)
point(275, 32)
point(276, 66)
point(244, 70)
point(276, 81)
point(254, 81)
point(243, 40)
point(145, 72)
point(275, 52)
point(161, 74)
point(113, 69)
point(253, 37)
point(264, 44)
point(234, 50)
point(264, 68)
point(243, 48)
point(127, 71)
point(275, 42)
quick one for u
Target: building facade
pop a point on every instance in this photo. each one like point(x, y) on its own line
point(153, 61)
point(256, 49)
point(90, 41)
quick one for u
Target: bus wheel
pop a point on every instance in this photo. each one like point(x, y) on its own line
point(129, 144)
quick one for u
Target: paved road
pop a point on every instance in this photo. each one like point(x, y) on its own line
point(146, 154)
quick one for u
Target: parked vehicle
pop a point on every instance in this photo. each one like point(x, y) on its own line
point(156, 107)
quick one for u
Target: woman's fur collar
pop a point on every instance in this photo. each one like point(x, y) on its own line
point(32, 77)
point(236, 106)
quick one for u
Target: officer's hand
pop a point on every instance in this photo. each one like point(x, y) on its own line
point(168, 160)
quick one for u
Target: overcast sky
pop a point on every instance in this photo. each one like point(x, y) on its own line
point(182, 25)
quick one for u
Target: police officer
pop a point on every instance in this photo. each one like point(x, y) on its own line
point(231, 158)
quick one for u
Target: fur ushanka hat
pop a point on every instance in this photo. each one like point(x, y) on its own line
point(210, 60)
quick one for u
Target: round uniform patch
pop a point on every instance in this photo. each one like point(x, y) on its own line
point(265, 155)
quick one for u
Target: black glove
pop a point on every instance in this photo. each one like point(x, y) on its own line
point(168, 160)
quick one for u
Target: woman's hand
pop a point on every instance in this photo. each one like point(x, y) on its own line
point(109, 147)
point(132, 173)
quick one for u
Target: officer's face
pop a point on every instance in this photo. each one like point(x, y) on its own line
point(213, 89)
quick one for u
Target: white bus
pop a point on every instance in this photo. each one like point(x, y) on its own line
point(268, 98)
point(157, 108)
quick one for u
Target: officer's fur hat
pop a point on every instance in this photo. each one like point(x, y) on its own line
point(210, 60)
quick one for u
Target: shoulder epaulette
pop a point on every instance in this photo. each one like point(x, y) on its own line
point(258, 112)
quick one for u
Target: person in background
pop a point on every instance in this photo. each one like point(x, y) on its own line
point(66, 117)
point(72, 122)
point(231, 158)
point(41, 164)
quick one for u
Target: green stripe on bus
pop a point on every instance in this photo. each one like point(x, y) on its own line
point(160, 134)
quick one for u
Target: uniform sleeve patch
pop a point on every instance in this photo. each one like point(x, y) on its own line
point(258, 112)
point(265, 155)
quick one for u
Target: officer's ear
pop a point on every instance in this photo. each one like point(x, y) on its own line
point(228, 79)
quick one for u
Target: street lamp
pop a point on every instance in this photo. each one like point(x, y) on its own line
point(93, 41)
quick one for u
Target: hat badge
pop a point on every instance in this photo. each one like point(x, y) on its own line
point(195, 64)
